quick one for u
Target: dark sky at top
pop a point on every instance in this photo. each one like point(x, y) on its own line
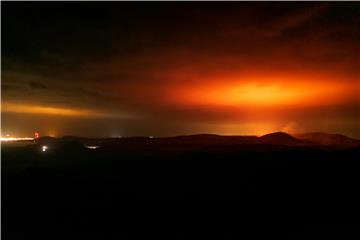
point(115, 68)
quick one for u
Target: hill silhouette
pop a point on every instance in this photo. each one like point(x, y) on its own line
point(328, 139)
point(227, 183)
point(281, 138)
point(208, 141)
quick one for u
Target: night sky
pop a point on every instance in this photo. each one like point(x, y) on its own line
point(163, 69)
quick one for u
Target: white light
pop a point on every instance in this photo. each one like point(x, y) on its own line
point(92, 147)
point(44, 148)
point(9, 139)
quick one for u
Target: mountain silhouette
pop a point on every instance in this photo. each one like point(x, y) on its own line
point(45, 140)
point(211, 139)
point(280, 138)
point(206, 141)
point(327, 139)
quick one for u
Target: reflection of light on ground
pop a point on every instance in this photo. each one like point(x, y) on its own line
point(12, 139)
point(92, 147)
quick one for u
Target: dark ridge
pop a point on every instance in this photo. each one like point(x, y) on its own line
point(313, 140)
point(71, 138)
point(45, 139)
point(280, 138)
point(328, 139)
point(210, 139)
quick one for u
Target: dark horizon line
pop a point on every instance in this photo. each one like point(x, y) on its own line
point(203, 134)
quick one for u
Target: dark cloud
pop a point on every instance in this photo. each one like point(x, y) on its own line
point(37, 85)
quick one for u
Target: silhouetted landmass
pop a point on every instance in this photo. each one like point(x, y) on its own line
point(280, 138)
point(328, 139)
point(186, 187)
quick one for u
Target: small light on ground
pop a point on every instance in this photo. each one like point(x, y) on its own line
point(44, 148)
point(92, 147)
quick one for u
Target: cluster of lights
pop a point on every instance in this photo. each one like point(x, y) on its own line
point(44, 148)
point(11, 139)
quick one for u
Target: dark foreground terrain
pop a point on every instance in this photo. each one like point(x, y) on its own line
point(197, 187)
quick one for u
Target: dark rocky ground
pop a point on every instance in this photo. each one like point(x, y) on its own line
point(175, 190)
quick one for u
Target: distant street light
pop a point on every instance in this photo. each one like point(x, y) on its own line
point(44, 148)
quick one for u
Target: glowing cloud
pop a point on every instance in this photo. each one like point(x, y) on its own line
point(268, 93)
point(34, 109)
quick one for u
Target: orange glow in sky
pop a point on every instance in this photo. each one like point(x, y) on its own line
point(60, 111)
point(225, 69)
point(265, 93)
point(19, 108)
